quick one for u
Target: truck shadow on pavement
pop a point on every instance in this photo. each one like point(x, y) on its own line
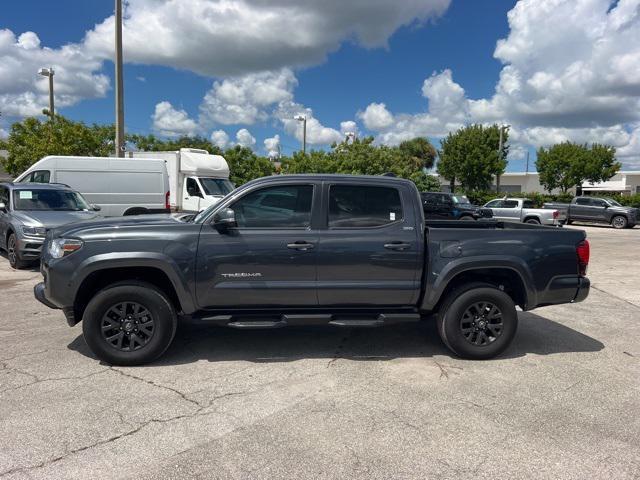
point(536, 335)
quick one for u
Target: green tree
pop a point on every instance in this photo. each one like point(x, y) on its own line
point(567, 165)
point(151, 143)
point(31, 139)
point(419, 151)
point(470, 156)
point(245, 165)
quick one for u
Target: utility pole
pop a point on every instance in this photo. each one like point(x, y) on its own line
point(48, 72)
point(303, 119)
point(119, 84)
point(527, 170)
point(499, 158)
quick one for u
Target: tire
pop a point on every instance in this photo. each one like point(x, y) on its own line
point(131, 343)
point(454, 316)
point(568, 222)
point(467, 218)
point(13, 254)
point(532, 221)
point(619, 222)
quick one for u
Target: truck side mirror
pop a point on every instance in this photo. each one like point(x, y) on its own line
point(96, 208)
point(225, 219)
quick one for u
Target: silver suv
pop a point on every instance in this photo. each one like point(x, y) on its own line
point(28, 210)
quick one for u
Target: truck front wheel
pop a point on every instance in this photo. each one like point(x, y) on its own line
point(129, 323)
point(478, 321)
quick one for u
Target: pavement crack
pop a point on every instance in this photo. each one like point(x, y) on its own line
point(158, 385)
point(37, 380)
point(444, 369)
point(615, 296)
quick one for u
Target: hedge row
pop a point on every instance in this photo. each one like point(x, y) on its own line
point(480, 198)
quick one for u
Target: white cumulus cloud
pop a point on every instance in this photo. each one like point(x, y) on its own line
point(245, 139)
point(245, 99)
point(23, 92)
point(317, 133)
point(376, 117)
point(232, 37)
point(220, 138)
point(272, 146)
point(171, 122)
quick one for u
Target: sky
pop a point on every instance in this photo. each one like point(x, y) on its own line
point(239, 71)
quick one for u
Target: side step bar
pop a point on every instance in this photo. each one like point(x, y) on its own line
point(248, 322)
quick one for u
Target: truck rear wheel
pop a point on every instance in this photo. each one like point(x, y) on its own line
point(129, 323)
point(533, 221)
point(477, 321)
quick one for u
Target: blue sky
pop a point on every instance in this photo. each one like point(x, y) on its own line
point(434, 69)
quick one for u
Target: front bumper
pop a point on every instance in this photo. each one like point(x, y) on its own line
point(30, 248)
point(39, 293)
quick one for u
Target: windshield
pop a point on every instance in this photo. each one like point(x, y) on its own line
point(58, 200)
point(460, 199)
point(216, 186)
point(613, 202)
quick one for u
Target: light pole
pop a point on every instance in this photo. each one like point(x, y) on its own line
point(350, 135)
point(48, 72)
point(303, 119)
point(119, 84)
point(502, 127)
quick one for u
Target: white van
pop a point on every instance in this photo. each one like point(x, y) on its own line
point(120, 186)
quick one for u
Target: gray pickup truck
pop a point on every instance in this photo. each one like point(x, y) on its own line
point(596, 210)
point(345, 251)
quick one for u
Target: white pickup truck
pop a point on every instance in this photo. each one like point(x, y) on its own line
point(522, 210)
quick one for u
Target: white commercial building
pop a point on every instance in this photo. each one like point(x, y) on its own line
point(624, 182)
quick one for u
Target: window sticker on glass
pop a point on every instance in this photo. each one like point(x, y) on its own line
point(392, 216)
point(26, 195)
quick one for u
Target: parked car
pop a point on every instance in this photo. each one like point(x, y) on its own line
point(447, 206)
point(29, 210)
point(197, 179)
point(522, 210)
point(597, 210)
point(346, 251)
point(120, 186)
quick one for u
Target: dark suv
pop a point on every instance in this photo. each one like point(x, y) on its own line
point(448, 206)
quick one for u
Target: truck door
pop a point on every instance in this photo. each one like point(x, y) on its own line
point(372, 249)
point(192, 195)
point(599, 210)
point(581, 209)
point(269, 259)
point(511, 211)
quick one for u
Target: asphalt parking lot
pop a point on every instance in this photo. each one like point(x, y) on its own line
point(563, 402)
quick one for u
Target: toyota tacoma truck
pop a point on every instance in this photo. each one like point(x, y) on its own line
point(345, 251)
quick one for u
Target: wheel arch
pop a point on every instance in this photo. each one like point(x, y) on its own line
point(512, 278)
point(99, 273)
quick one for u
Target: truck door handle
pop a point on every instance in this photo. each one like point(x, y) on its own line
point(397, 245)
point(300, 245)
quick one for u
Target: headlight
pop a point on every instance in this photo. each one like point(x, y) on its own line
point(61, 247)
point(34, 231)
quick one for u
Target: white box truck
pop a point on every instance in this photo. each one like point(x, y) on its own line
point(197, 179)
point(120, 186)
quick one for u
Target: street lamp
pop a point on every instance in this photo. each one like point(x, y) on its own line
point(502, 129)
point(303, 119)
point(350, 135)
point(48, 72)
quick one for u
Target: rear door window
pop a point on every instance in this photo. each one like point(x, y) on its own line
point(354, 206)
point(510, 204)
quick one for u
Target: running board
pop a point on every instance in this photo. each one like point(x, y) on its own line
point(247, 321)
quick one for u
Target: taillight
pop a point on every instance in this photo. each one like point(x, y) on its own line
point(556, 214)
point(166, 201)
point(582, 250)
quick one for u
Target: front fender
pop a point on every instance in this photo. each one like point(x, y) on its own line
point(160, 261)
